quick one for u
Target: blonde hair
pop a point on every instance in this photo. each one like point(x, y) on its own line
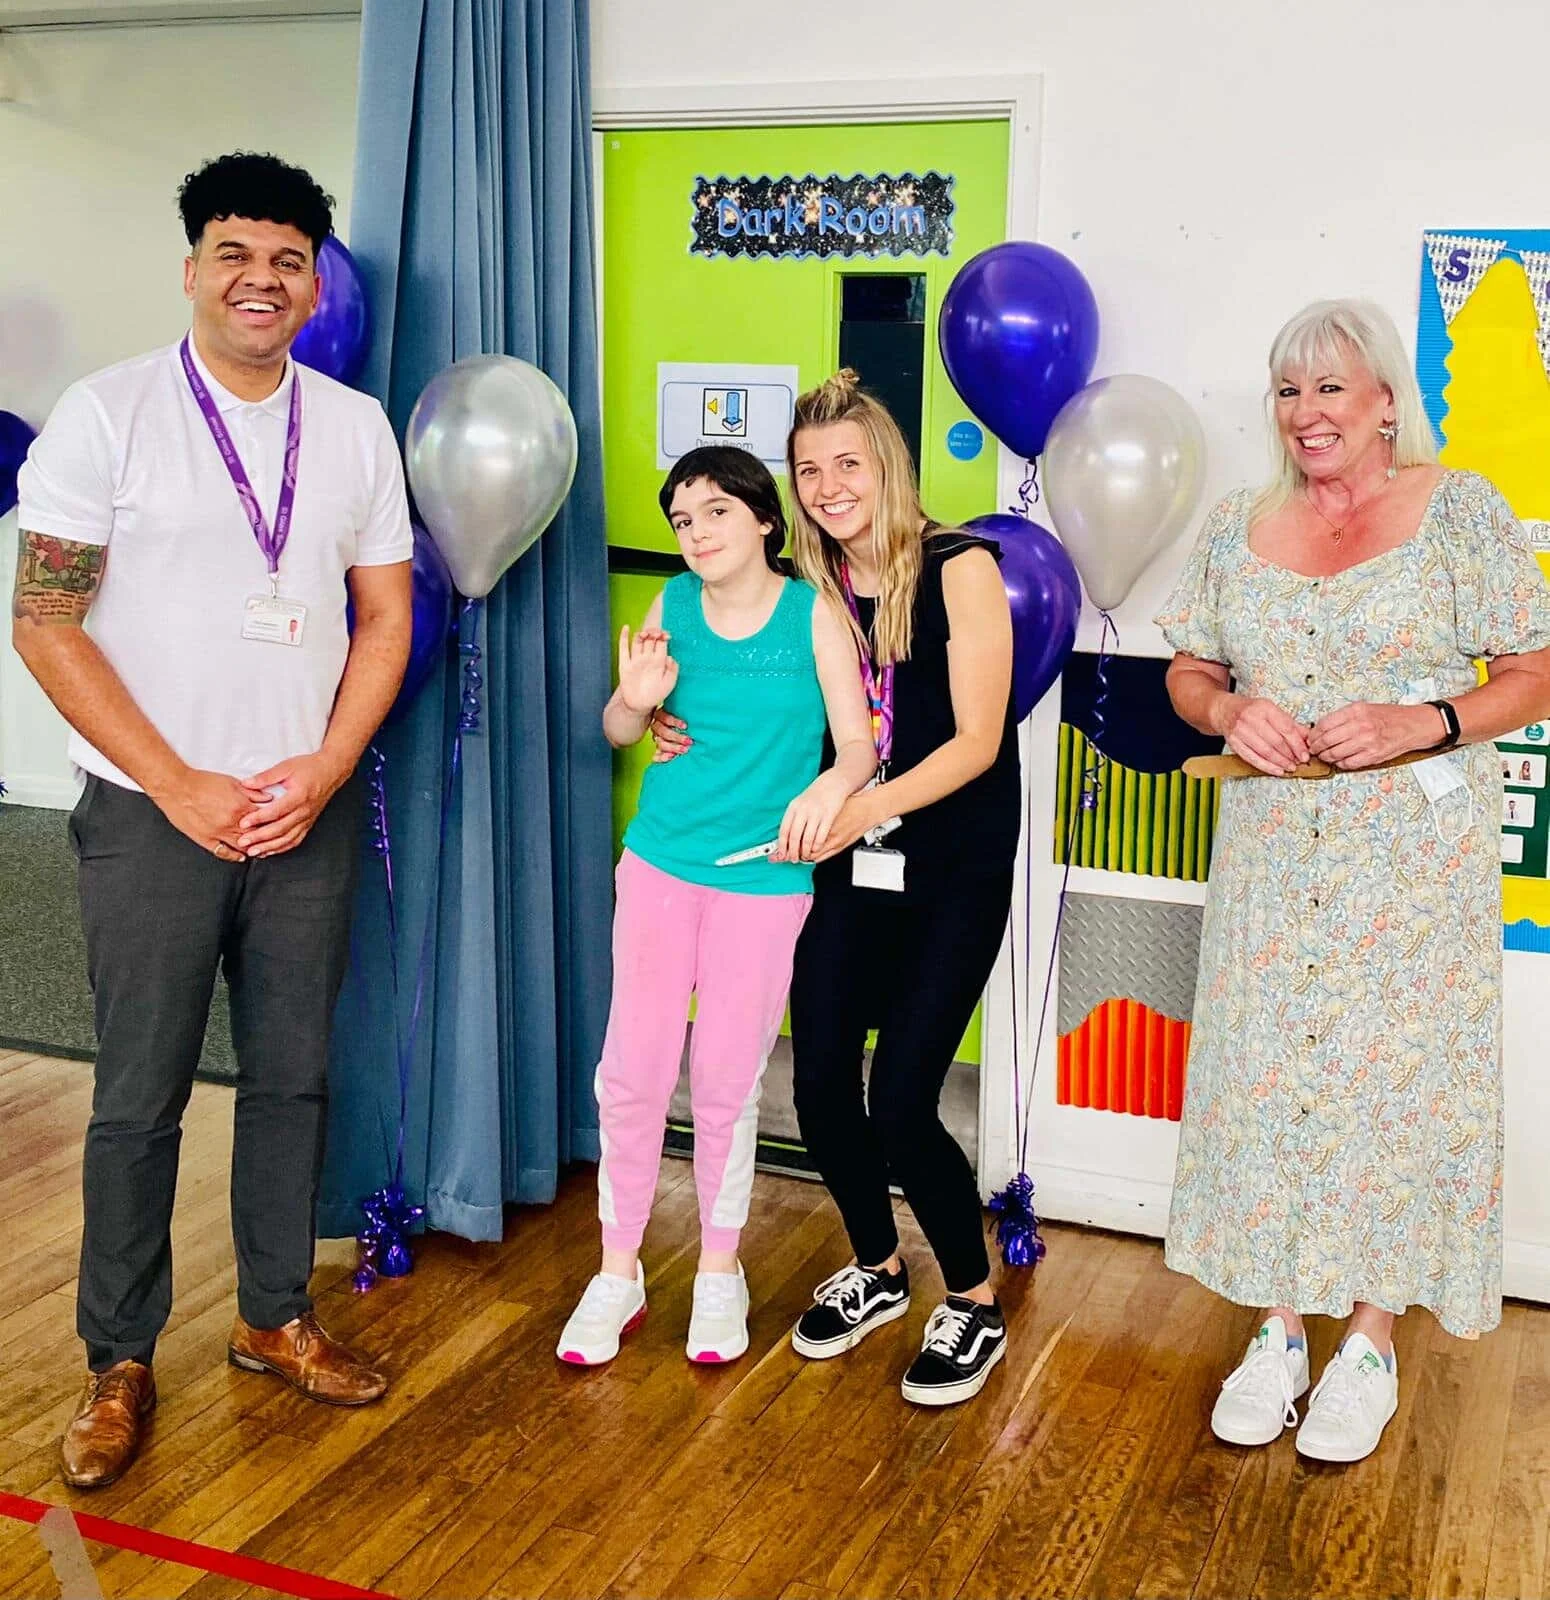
point(897, 518)
point(1314, 340)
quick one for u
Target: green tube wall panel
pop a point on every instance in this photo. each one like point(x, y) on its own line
point(1161, 824)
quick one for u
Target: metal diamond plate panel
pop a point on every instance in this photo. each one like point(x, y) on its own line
point(1114, 949)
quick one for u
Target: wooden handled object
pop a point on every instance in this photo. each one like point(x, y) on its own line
point(1231, 766)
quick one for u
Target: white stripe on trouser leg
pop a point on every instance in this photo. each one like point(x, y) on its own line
point(731, 1207)
point(605, 1189)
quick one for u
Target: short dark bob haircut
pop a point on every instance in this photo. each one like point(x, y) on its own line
point(261, 187)
point(742, 476)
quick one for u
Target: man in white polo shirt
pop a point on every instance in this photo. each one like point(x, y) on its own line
point(193, 522)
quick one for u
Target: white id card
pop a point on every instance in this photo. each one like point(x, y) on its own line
point(872, 868)
point(272, 619)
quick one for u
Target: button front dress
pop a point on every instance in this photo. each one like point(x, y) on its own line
point(1342, 1127)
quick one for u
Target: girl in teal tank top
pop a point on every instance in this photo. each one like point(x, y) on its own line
point(757, 664)
point(758, 714)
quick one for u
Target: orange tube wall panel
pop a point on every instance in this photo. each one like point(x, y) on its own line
point(1124, 1057)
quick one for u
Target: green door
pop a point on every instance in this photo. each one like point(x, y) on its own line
point(663, 302)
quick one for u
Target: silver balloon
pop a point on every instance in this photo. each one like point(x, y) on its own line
point(491, 452)
point(1123, 469)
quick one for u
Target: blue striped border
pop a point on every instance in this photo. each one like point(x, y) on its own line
point(1433, 346)
point(1526, 935)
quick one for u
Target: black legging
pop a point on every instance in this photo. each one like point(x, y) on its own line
point(914, 969)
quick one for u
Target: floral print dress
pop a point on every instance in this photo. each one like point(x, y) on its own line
point(1342, 1129)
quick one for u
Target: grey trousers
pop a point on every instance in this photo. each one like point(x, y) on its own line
point(160, 915)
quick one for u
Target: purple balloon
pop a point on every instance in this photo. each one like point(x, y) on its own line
point(337, 336)
point(1046, 599)
point(431, 605)
point(15, 438)
point(432, 601)
point(1019, 335)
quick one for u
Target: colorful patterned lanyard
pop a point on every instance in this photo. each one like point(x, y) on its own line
point(878, 684)
point(270, 541)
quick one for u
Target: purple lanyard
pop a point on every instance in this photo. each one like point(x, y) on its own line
point(878, 685)
point(270, 541)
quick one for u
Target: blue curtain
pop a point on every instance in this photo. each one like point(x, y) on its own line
point(472, 221)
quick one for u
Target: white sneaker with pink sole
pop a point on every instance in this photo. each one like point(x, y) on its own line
point(610, 1308)
point(718, 1325)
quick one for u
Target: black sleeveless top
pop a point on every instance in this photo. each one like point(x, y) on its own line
point(975, 828)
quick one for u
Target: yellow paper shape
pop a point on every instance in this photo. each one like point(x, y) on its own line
point(1498, 398)
point(1498, 423)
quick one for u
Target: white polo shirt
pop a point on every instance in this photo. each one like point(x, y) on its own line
point(127, 461)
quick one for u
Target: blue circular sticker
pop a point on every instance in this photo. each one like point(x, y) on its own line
point(965, 440)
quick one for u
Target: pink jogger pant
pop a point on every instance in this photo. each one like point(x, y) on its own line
point(671, 940)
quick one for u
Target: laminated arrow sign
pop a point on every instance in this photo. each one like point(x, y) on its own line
point(737, 403)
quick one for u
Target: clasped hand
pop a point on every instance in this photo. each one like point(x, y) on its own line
point(1359, 735)
point(810, 818)
point(264, 815)
point(289, 798)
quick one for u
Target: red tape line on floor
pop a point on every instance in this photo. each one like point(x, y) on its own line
point(163, 1547)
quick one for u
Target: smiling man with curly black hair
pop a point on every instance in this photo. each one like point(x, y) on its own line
point(193, 523)
point(238, 210)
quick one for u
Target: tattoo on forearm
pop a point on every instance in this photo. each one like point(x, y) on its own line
point(56, 579)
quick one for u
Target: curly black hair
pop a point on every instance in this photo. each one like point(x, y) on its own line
point(262, 187)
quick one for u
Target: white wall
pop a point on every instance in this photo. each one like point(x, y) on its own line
point(1211, 167)
point(102, 126)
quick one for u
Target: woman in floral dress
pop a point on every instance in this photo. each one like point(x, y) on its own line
point(1341, 1148)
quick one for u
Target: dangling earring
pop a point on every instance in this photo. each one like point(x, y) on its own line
point(1390, 431)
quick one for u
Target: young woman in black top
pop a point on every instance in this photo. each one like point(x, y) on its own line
point(902, 934)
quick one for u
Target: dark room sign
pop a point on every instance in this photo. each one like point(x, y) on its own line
point(816, 216)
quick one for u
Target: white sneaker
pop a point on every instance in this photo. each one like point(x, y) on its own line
point(1256, 1400)
point(609, 1309)
point(1351, 1404)
point(718, 1325)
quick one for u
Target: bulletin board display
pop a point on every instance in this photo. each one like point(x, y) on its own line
point(1483, 360)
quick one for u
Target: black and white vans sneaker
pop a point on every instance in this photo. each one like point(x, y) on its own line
point(964, 1340)
point(847, 1307)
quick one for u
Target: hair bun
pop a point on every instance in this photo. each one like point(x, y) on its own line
point(837, 398)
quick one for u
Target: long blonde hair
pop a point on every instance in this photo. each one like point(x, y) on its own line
point(1317, 337)
point(897, 518)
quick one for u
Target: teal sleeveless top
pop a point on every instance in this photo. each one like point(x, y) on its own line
point(756, 715)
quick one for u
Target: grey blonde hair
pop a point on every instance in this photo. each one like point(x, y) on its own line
point(896, 520)
point(1315, 339)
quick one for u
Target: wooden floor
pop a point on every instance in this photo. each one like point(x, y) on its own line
point(1086, 1468)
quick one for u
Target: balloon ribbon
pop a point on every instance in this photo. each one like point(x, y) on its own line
point(388, 1217)
point(1017, 1224)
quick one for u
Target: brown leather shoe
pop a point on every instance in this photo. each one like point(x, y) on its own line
point(104, 1433)
point(308, 1359)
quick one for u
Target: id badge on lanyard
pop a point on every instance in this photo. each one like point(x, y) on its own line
point(872, 866)
point(267, 618)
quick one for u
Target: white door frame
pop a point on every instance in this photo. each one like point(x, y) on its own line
point(1019, 99)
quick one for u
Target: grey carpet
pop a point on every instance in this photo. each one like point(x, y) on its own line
point(45, 1004)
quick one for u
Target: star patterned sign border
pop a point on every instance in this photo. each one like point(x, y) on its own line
point(814, 216)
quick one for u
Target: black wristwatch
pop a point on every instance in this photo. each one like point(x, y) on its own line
point(1451, 718)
